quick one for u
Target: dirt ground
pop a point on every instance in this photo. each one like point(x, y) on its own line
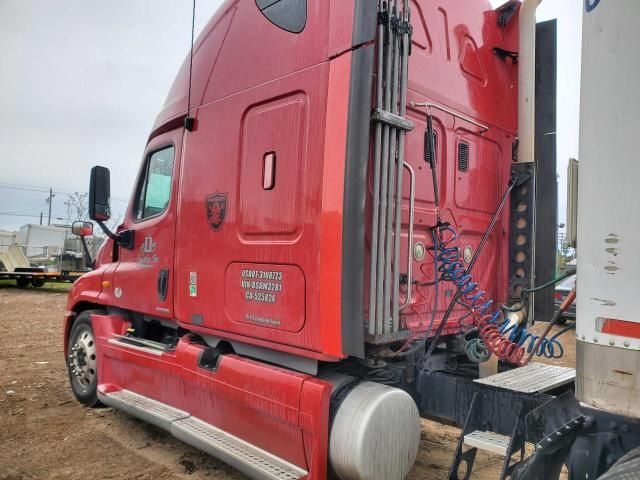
point(46, 434)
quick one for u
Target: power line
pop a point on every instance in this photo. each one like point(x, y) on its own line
point(24, 185)
point(2, 214)
point(26, 210)
point(34, 188)
point(8, 187)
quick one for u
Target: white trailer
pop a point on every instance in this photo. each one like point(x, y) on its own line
point(41, 241)
point(608, 322)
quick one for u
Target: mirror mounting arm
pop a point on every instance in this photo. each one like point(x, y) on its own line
point(106, 231)
point(88, 261)
point(100, 209)
point(124, 239)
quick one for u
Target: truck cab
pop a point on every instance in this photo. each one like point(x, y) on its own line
point(277, 269)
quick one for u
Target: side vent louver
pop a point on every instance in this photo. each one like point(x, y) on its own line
point(463, 156)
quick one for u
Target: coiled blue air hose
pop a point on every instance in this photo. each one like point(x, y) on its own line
point(490, 321)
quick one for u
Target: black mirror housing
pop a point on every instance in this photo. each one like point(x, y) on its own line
point(100, 206)
point(100, 194)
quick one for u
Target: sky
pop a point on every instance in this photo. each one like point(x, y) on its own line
point(81, 82)
point(569, 15)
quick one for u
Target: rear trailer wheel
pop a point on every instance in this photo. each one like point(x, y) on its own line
point(23, 282)
point(626, 468)
point(37, 282)
point(626, 471)
point(82, 360)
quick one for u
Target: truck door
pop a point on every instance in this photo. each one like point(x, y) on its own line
point(144, 276)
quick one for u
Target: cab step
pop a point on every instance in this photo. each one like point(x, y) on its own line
point(241, 455)
point(145, 408)
point(486, 428)
point(509, 417)
point(249, 459)
point(488, 441)
point(532, 378)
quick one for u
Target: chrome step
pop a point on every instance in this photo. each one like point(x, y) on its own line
point(488, 441)
point(143, 344)
point(151, 411)
point(532, 378)
point(247, 458)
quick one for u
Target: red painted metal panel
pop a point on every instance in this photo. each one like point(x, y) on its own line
point(87, 288)
point(240, 49)
point(136, 278)
point(452, 62)
point(281, 126)
point(314, 421)
point(266, 295)
point(281, 226)
point(341, 14)
point(258, 89)
point(282, 412)
point(331, 217)
point(452, 65)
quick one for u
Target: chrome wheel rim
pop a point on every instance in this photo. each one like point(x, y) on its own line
point(82, 359)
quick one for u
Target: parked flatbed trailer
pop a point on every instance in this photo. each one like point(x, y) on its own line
point(37, 277)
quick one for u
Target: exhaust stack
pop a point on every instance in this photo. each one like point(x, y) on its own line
point(527, 81)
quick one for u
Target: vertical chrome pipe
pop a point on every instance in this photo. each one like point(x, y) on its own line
point(412, 209)
point(383, 189)
point(404, 80)
point(375, 194)
point(527, 81)
point(388, 241)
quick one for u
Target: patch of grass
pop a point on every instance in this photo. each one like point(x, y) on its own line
point(48, 287)
point(7, 283)
point(57, 287)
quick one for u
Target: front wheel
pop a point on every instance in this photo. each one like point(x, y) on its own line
point(82, 360)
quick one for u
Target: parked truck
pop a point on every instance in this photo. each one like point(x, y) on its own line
point(333, 232)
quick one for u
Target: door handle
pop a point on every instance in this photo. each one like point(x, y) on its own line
point(163, 284)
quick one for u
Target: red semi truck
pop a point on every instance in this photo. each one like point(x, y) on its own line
point(315, 236)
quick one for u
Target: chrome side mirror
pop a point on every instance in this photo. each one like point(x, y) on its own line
point(82, 229)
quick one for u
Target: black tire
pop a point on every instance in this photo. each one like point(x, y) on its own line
point(626, 468)
point(629, 456)
point(627, 471)
point(562, 321)
point(37, 282)
point(23, 282)
point(81, 360)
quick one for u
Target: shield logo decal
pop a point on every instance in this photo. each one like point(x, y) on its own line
point(216, 209)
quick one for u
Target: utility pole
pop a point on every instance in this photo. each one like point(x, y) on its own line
point(40, 218)
point(50, 201)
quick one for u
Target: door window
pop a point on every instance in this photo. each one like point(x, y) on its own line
point(289, 15)
point(155, 190)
